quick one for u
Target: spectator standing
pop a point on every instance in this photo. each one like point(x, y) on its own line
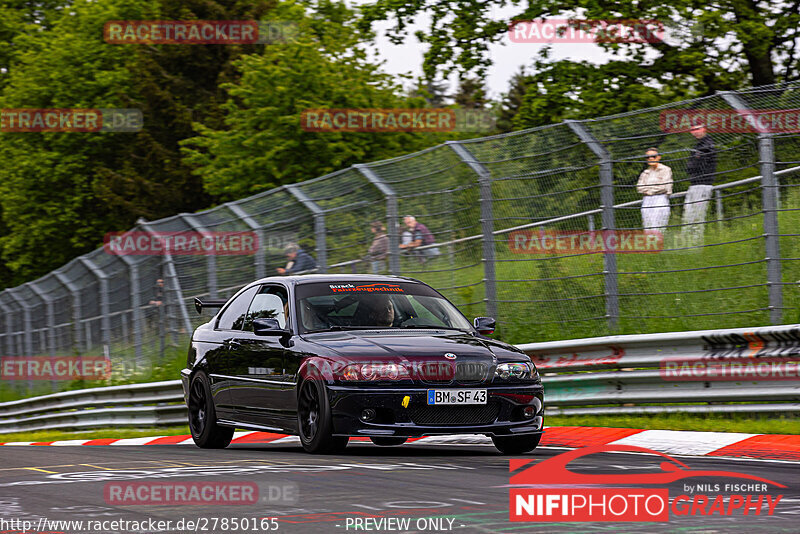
point(420, 235)
point(701, 167)
point(299, 260)
point(655, 183)
point(380, 247)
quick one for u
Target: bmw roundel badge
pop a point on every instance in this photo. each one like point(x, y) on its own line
point(449, 355)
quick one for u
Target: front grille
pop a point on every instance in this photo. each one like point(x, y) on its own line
point(454, 415)
point(471, 372)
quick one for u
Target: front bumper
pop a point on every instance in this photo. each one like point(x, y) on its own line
point(501, 416)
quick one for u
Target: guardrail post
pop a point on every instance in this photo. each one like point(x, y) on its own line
point(607, 216)
point(105, 308)
point(76, 307)
point(769, 201)
point(171, 274)
point(258, 261)
point(211, 259)
point(487, 223)
point(319, 225)
point(392, 216)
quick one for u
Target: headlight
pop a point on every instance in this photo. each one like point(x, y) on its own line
point(518, 371)
point(374, 371)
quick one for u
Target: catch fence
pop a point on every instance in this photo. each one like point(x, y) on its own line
point(485, 200)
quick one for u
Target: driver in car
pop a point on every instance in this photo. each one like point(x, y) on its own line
point(382, 311)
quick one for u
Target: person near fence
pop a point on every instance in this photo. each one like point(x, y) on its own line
point(655, 183)
point(420, 236)
point(299, 260)
point(701, 168)
point(379, 249)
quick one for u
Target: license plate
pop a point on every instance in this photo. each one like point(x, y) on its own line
point(456, 396)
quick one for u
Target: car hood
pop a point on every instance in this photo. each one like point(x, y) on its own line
point(412, 345)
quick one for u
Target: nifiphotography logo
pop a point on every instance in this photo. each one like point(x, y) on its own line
point(549, 492)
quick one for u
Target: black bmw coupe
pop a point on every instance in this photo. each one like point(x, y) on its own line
point(327, 357)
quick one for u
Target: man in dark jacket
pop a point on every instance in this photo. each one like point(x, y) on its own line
point(299, 260)
point(702, 168)
point(420, 235)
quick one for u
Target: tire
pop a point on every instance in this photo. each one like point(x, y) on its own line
point(388, 441)
point(206, 433)
point(516, 444)
point(314, 421)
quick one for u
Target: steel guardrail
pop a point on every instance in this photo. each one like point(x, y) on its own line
point(591, 376)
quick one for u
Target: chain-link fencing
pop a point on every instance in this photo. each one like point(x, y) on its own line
point(497, 208)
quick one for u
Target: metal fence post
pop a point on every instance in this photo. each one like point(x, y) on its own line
point(172, 275)
point(769, 201)
point(769, 196)
point(487, 223)
point(76, 307)
point(258, 261)
point(8, 336)
point(51, 316)
point(211, 259)
point(27, 327)
point(27, 324)
point(51, 324)
point(105, 308)
point(319, 224)
point(607, 216)
point(392, 217)
point(136, 305)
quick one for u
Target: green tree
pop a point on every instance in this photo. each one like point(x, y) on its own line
point(61, 192)
point(709, 47)
point(511, 101)
point(263, 144)
point(471, 94)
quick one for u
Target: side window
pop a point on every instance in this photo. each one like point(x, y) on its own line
point(269, 303)
point(233, 316)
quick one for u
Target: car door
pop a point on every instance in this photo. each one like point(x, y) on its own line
point(218, 356)
point(257, 362)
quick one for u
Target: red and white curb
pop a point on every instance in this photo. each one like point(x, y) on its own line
point(728, 444)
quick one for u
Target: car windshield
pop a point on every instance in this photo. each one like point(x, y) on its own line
point(368, 305)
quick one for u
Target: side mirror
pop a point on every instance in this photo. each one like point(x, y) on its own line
point(269, 327)
point(484, 325)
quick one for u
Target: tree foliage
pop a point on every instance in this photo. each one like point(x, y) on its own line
point(707, 48)
point(263, 145)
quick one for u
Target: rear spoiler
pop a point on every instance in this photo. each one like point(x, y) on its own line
point(208, 303)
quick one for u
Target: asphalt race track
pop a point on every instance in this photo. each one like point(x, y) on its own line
point(436, 487)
